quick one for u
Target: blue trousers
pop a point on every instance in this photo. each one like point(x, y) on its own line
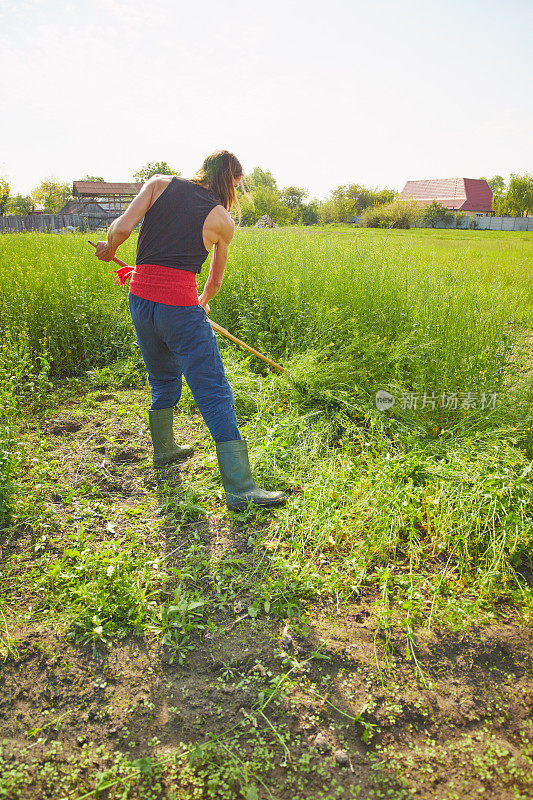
point(178, 341)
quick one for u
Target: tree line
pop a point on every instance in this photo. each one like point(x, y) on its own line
point(289, 205)
point(514, 199)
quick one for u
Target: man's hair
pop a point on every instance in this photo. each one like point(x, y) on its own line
point(218, 173)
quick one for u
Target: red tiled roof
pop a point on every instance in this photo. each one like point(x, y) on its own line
point(478, 195)
point(461, 194)
point(100, 189)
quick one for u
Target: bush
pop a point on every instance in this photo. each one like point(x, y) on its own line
point(435, 213)
point(398, 214)
point(351, 200)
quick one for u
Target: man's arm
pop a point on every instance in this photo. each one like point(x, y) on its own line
point(122, 226)
point(218, 262)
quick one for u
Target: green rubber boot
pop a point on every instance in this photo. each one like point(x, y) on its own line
point(166, 451)
point(237, 478)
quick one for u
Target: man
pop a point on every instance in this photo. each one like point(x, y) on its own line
point(183, 221)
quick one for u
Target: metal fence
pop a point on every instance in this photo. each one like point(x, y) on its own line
point(486, 223)
point(482, 223)
point(54, 223)
point(503, 223)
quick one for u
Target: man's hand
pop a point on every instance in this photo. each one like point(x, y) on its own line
point(122, 226)
point(104, 251)
point(203, 302)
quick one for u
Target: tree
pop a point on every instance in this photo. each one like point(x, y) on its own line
point(327, 212)
point(352, 199)
point(51, 194)
point(519, 197)
point(93, 178)
point(4, 194)
point(308, 214)
point(19, 205)
point(346, 201)
point(293, 197)
point(265, 201)
point(261, 177)
point(382, 197)
point(249, 214)
point(434, 213)
point(154, 168)
point(496, 183)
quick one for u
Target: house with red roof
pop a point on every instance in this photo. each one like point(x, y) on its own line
point(472, 196)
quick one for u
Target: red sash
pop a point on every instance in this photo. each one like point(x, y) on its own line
point(172, 287)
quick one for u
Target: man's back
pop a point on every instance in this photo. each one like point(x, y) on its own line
point(172, 233)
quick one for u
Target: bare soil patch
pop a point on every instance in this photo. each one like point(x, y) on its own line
point(363, 717)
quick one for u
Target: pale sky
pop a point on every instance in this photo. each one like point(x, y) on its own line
point(319, 92)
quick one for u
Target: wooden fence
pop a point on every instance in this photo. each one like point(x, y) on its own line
point(54, 223)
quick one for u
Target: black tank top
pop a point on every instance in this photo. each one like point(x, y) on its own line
point(171, 233)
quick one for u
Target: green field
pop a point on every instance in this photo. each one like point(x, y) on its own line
point(418, 520)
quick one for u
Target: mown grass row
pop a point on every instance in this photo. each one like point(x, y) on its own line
point(432, 507)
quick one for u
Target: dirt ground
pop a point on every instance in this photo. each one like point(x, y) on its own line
point(350, 714)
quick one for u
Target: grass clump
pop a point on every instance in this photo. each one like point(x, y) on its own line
point(111, 591)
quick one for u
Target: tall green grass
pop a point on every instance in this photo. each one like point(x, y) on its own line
point(391, 309)
point(421, 503)
point(406, 308)
point(56, 295)
point(59, 313)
